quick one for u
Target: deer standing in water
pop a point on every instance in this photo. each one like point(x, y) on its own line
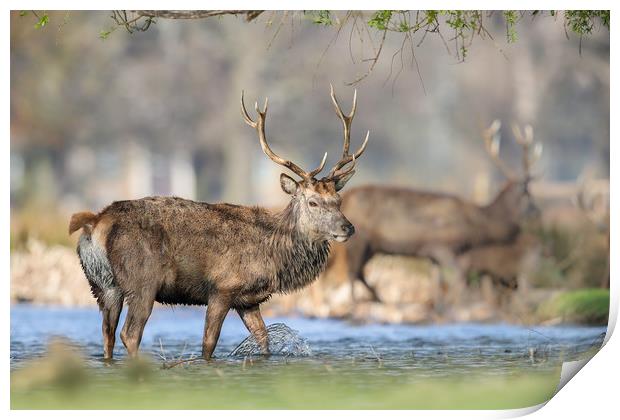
point(394, 220)
point(177, 251)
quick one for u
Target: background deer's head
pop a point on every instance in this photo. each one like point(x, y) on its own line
point(515, 196)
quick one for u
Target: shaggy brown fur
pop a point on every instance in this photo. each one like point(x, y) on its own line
point(177, 251)
point(425, 224)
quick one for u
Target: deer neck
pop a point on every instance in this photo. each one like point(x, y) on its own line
point(500, 220)
point(296, 258)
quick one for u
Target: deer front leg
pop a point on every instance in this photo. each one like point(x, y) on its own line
point(253, 321)
point(217, 309)
point(453, 284)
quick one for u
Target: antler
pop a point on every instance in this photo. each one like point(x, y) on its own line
point(492, 142)
point(259, 125)
point(346, 158)
point(526, 140)
point(593, 201)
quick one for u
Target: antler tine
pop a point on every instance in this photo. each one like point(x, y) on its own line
point(346, 119)
point(346, 124)
point(336, 170)
point(245, 114)
point(314, 172)
point(526, 140)
point(492, 140)
point(259, 125)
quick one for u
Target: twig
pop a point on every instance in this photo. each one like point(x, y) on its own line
point(374, 61)
point(180, 362)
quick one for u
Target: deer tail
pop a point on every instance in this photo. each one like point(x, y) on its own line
point(84, 219)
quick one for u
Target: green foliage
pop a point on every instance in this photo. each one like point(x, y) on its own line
point(42, 22)
point(511, 18)
point(582, 22)
point(465, 24)
point(431, 16)
point(590, 306)
point(105, 33)
point(380, 19)
point(321, 17)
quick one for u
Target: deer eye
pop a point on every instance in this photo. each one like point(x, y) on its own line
point(313, 203)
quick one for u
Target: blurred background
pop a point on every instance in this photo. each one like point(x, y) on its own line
point(98, 117)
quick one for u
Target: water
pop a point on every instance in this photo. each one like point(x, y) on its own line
point(434, 350)
point(283, 341)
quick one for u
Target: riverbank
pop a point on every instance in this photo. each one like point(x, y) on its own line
point(409, 288)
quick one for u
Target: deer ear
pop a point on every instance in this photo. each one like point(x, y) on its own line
point(288, 184)
point(341, 182)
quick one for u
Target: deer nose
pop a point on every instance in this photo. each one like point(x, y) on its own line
point(348, 228)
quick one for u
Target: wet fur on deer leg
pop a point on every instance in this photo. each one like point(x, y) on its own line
point(253, 321)
point(217, 309)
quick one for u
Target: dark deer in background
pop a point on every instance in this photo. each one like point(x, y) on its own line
point(177, 251)
point(592, 198)
point(392, 220)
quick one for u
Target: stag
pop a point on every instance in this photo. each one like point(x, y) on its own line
point(176, 251)
point(393, 220)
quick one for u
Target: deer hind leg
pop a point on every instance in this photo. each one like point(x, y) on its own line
point(358, 254)
point(111, 311)
point(98, 271)
point(139, 308)
point(253, 321)
point(142, 263)
point(372, 290)
point(217, 308)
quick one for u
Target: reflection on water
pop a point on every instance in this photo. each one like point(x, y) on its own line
point(435, 350)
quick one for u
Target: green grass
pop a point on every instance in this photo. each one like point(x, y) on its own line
point(286, 386)
point(589, 306)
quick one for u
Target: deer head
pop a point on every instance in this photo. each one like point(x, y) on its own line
point(315, 202)
point(515, 196)
point(592, 198)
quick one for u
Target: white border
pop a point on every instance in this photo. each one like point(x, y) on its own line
point(592, 394)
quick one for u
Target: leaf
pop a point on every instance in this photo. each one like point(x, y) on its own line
point(322, 17)
point(380, 19)
point(44, 20)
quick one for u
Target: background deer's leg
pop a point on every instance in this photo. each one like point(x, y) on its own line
point(253, 321)
point(372, 290)
point(217, 309)
point(358, 253)
point(139, 309)
point(452, 282)
point(111, 311)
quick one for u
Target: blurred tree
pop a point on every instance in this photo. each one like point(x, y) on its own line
point(460, 27)
point(79, 102)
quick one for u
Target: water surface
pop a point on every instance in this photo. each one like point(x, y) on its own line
point(435, 350)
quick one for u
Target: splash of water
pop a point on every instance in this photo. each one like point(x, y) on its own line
point(283, 341)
